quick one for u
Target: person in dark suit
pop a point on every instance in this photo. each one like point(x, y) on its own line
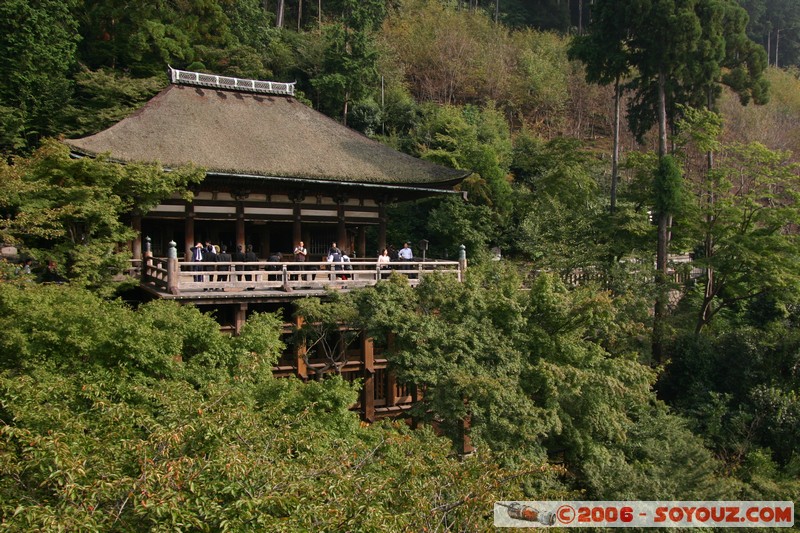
point(210, 257)
point(250, 257)
point(223, 257)
point(238, 257)
point(198, 255)
point(275, 257)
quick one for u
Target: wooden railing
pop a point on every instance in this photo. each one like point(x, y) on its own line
point(180, 277)
point(677, 276)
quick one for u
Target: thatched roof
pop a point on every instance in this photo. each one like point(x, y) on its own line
point(240, 133)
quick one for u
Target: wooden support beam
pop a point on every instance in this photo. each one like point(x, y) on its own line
point(466, 441)
point(240, 317)
point(368, 373)
point(391, 389)
point(391, 381)
point(301, 369)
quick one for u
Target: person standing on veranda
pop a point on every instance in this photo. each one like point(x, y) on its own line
point(405, 253)
point(300, 254)
point(198, 254)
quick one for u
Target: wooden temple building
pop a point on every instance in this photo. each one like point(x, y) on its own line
point(277, 172)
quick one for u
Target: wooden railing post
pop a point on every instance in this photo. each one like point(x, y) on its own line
point(462, 262)
point(285, 275)
point(147, 260)
point(173, 270)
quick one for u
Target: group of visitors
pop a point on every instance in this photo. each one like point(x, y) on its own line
point(49, 273)
point(391, 254)
point(339, 261)
point(211, 253)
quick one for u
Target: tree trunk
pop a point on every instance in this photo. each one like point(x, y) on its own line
point(279, 14)
point(708, 244)
point(662, 250)
point(299, 14)
point(615, 152)
point(346, 101)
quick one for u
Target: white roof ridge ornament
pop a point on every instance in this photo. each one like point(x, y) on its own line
point(199, 79)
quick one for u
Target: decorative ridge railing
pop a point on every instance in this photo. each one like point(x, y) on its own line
point(185, 77)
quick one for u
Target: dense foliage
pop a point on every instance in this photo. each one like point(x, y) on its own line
point(115, 419)
point(72, 212)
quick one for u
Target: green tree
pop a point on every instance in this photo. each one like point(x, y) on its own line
point(73, 210)
point(128, 420)
point(678, 49)
point(104, 97)
point(537, 373)
point(145, 37)
point(748, 246)
point(775, 24)
point(468, 138)
point(37, 55)
point(603, 52)
point(348, 71)
point(558, 211)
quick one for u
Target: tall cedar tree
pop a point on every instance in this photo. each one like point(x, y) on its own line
point(678, 49)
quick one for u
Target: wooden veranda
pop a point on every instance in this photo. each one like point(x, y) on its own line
point(242, 286)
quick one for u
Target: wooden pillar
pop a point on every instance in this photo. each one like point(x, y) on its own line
point(361, 248)
point(240, 235)
point(189, 239)
point(341, 230)
point(391, 379)
point(381, 227)
point(136, 243)
point(368, 374)
point(391, 388)
point(466, 441)
point(265, 244)
point(297, 225)
point(301, 369)
point(240, 317)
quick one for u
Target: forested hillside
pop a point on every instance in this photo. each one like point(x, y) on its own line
point(604, 142)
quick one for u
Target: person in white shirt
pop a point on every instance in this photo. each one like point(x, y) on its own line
point(384, 259)
point(405, 253)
